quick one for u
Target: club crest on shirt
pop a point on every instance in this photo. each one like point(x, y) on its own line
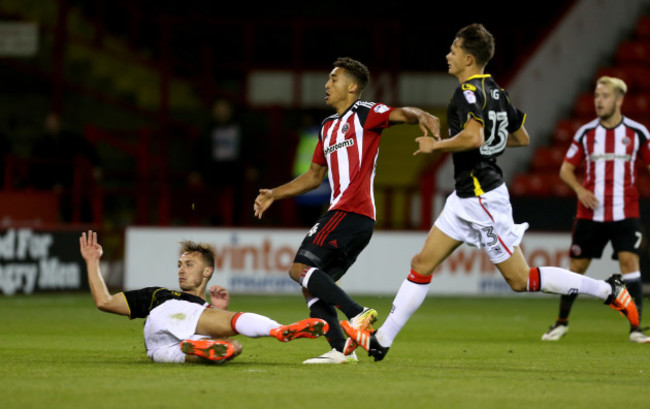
point(626, 141)
point(470, 97)
point(576, 250)
point(345, 128)
point(380, 108)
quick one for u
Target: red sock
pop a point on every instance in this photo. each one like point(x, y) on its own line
point(534, 280)
point(233, 321)
point(418, 278)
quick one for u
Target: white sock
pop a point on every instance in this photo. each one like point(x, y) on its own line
point(560, 281)
point(633, 276)
point(253, 325)
point(408, 299)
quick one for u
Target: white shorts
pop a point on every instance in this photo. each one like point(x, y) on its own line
point(167, 325)
point(484, 221)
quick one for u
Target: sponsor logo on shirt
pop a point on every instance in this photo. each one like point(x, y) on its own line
point(345, 144)
point(470, 96)
point(609, 157)
point(380, 108)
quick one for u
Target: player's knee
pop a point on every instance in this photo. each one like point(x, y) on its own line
point(295, 271)
point(518, 284)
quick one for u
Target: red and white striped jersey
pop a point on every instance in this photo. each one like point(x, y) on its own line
point(610, 156)
point(349, 145)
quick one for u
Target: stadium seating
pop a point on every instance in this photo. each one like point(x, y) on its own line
point(631, 63)
point(633, 52)
point(564, 131)
point(547, 159)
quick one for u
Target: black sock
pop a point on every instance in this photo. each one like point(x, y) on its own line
point(334, 335)
point(635, 288)
point(566, 302)
point(322, 286)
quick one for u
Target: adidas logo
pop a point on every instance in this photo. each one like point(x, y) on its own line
point(333, 243)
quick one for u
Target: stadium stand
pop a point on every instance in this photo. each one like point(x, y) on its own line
point(630, 62)
point(131, 68)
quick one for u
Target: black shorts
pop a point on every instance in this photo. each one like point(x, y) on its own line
point(335, 242)
point(590, 237)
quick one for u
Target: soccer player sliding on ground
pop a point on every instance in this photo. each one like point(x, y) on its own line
point(181, 326)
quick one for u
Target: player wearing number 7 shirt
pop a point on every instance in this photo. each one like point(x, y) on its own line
point(347, 149)
point(608, 200)
point(482, 122)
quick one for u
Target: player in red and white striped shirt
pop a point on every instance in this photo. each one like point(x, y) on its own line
point(347, 150)
point(608, 200)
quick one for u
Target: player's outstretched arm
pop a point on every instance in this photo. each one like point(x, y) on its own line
point(92, 252)
point(471, 137)
point(309, 180)
point(412, 115)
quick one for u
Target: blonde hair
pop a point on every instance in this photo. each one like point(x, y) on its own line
point(617, 84)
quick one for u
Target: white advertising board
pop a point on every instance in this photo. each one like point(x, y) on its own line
point(256, 261)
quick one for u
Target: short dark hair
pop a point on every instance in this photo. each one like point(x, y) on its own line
point(477, 41)
point(356, 69)
point(206, 250)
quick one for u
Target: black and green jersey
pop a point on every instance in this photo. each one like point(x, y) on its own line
point(480, 98)
point(142, 301)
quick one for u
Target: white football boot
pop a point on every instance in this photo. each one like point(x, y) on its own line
point(333, 357)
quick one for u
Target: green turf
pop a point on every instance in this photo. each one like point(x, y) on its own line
point(58, 351)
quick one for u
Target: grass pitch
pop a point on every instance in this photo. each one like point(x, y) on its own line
point(58, 351)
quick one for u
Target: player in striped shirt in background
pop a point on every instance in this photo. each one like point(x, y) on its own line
point(347, 152)
point(608, 200)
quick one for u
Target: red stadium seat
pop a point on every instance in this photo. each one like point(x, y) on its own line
point(564, 131)
point(547, 159)
point(636, 105)
point(633, 52)
point(624, 72)
point(642, 80)
point(520, 185)
point(539, 184)
point(30, 206)
point(529, 184)
point(559, 188)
